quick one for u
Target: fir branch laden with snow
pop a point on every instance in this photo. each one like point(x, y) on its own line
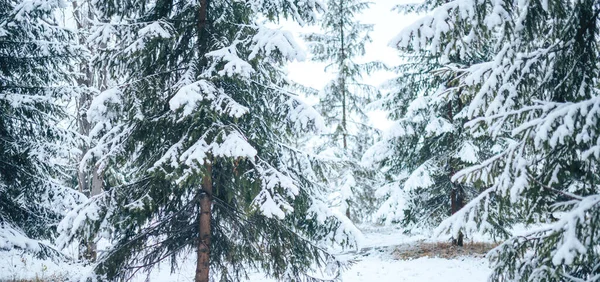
point(535, 91)
point(34, 145)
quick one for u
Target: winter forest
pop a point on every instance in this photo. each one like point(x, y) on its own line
point(276, 140)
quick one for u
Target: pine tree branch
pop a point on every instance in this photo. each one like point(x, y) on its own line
point(564, 193)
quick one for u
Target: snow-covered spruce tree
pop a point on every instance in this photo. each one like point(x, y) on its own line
point(343, 102)
point(427, 144)
point(90, 81)
point(199, 123)
point(34, 54)
point(537, 95)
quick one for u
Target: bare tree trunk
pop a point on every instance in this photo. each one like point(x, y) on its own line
point(83, 126)
point(83, 21)
point(203, 249)
point(97, 188)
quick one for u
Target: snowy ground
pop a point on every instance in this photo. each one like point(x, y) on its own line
point(377, 269)
point(379, 265)
point(17, 265)
point(375, 263)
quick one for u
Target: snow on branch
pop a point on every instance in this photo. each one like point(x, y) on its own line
point(428, 32)
point(564, 241)
point(154, 30)
point(11, 238)
point(303, 116)
point(189, 97)
point(78, 222)
point(421, 177)
point(233, 145)
point(233, 64)
point(346, 234)
point(26, 7)
point(560, 121)
point(101, 33)
point(392, 209)
point(227, 144)
point(98, 112)
point(276, 187)
point(269, 40)
point(377, 153)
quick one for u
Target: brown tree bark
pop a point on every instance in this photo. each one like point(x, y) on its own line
point(203, 248)
point(204, 225)
point(201, 24)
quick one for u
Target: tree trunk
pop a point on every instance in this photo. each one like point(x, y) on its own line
point(457, 202)
point(203, 249)
point(457, 193)
point(83, 19)
point(201, 24)
point(97, 183)
point(203, 244)
point(342, 74)
point(83, 126)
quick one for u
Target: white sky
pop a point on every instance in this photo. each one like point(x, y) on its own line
point(387, 24)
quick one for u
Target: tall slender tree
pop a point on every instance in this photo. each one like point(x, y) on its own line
point(90, 81)
point(537, 95)
point(200, 126)
point(343, 102)
point(34, 55)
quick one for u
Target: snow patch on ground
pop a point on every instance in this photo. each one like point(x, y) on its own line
point(17, 264)
point(418, 270)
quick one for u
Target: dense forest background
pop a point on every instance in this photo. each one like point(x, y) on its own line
point(133, 133)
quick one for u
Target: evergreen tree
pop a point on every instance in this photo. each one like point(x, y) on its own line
point(343, 102)
point(90, 82)
point(34, 53)
point(200, 126)
point(427, 143)
point(536, 94)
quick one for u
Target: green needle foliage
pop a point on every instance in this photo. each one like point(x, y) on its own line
point(199, 112)
point(535, 93)
point(34, 52)
point(343, 104)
